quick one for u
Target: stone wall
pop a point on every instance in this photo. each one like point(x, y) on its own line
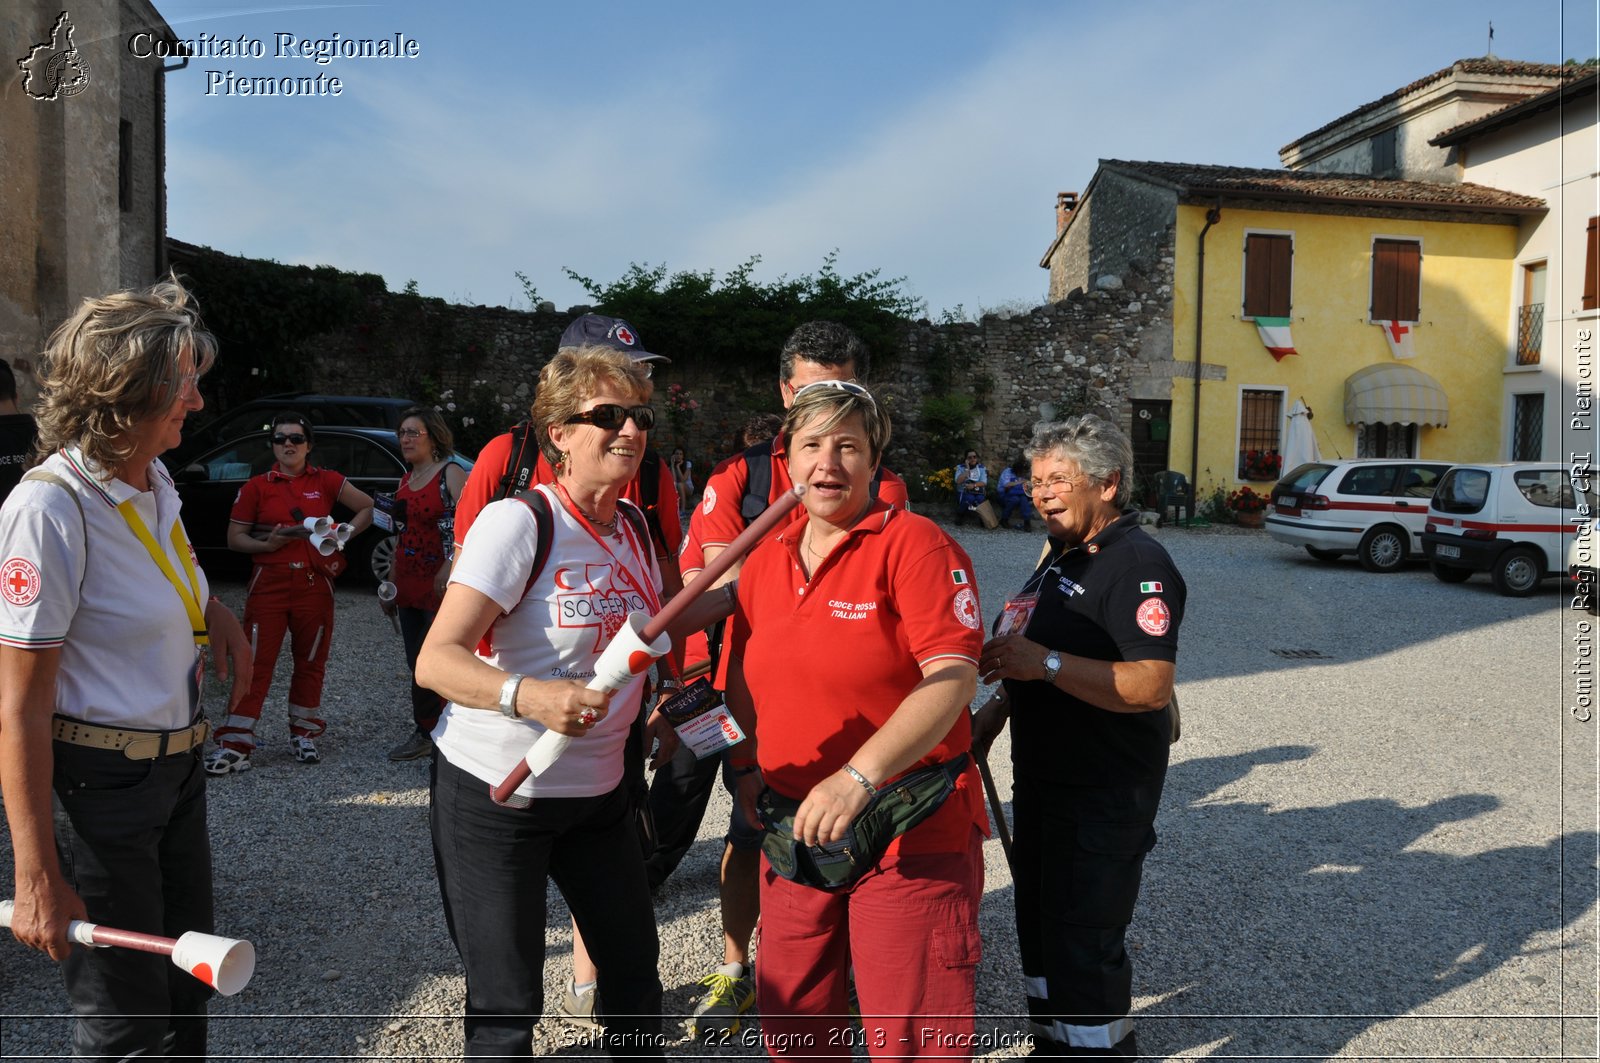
point(1116, 224)
point(1094, 350)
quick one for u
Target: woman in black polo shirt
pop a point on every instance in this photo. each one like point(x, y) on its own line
point(1090, 730)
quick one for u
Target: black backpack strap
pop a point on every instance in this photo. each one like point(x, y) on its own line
point(757, 481)
point(877, 481)
point(544, 526)
point(649, 477)
point(524, 456)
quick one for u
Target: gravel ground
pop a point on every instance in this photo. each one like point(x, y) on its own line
point(1378, 841)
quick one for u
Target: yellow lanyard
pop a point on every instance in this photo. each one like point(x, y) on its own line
point(190, 595)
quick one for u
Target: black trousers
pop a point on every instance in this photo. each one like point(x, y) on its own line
point(493, 862)
point(425, 704)
point(131, 835)
point(1078, 857)
point(679, 793)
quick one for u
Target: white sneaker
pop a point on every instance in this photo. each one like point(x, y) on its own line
point(304, 750)
point(222, 760)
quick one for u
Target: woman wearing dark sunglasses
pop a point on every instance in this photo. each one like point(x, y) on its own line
point(291, 589)
point(511, 648)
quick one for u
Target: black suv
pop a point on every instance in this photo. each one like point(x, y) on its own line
point(343, 411)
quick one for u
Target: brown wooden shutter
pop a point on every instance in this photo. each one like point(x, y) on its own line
point(1591, 266)
point(1266, 275)
point(1396, 280)
point(1408, 281)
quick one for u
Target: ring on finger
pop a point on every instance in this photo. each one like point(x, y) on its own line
point(587, 717)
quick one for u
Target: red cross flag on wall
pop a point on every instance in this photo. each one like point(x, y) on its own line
point(1398, 333)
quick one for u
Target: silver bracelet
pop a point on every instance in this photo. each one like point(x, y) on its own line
point(862, 779)
point(508, 696)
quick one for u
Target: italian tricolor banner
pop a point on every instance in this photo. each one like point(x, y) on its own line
point(1275, 336)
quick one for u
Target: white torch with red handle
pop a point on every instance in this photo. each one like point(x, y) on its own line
point(224, 964)
point(643, 639)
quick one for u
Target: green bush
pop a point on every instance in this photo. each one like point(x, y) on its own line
point(737, 321)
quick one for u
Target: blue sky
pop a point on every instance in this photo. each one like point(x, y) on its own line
point(927, 140)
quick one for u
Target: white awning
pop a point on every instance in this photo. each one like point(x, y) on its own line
point(1388, 394)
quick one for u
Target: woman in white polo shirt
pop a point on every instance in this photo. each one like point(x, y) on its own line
point(103, 621)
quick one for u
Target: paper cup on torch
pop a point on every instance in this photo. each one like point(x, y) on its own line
point(224, 964)
point(387, 593)
point(318, 525)
point(626, 656)
point(342, 533)
point(323, 544)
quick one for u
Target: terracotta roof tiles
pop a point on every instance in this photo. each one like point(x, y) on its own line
point(1196, 179)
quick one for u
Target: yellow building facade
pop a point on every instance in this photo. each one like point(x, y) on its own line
point(1459, 341)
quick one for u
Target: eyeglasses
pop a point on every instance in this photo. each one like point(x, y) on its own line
point(410, 433)
point(849, 387)
point(185, 384)
point(1055, 485)
point(283, 439)
point(611, 417)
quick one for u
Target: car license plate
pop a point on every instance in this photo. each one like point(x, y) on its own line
point(1443, 550)
point(1285, 502)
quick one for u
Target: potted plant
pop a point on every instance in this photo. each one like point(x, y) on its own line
point(1248, 508)
point(1260, 465)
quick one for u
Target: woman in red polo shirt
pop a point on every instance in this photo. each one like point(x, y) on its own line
point(290, 592)
point(852, 662)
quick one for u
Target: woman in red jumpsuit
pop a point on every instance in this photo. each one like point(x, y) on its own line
point(289, 591)
point(427, 497)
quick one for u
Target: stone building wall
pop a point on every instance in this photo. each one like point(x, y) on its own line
point(1116, 224)
point(60, 198)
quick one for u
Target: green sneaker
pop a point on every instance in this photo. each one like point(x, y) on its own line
point(578, 1008)
point(728, 996)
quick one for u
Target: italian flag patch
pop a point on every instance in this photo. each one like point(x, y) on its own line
point(958, 576)
point(1149, 588)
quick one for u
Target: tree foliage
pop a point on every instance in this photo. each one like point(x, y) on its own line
point(736, 320)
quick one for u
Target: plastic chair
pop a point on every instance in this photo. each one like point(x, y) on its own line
point(1173, 491)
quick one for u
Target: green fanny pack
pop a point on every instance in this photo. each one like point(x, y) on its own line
point(895, 809)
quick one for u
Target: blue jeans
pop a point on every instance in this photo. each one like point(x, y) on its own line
point(1009, 506)
point(131, 835)
point(493, 862)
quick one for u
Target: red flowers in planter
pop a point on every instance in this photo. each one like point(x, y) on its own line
point(1260, 465)
point(1245, 500)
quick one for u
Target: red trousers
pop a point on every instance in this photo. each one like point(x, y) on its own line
point(910, 928)
point(297, 602)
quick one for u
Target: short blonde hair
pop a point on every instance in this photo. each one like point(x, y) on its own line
point(575, 374)
point(114, 363)
point(833, 402)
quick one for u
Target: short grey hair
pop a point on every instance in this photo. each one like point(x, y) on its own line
point(1098, 447)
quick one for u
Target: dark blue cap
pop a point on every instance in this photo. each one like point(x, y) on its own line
point(597, 330)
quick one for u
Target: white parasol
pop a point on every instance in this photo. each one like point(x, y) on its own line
point(1299, 442)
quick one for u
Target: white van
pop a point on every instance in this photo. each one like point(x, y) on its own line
point(1510, 520)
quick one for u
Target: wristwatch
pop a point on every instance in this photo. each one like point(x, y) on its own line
point(508, 696)
point(1052, 667)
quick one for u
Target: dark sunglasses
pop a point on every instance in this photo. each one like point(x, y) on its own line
point(610, 416)
point(286, 438)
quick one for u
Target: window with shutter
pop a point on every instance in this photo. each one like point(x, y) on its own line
point(1396, 280)
point(1266, 274)
point(1591, 266)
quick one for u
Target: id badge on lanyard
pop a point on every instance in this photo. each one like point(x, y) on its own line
point(1014, 617)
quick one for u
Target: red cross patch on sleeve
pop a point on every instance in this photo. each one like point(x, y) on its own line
point(19, 581)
